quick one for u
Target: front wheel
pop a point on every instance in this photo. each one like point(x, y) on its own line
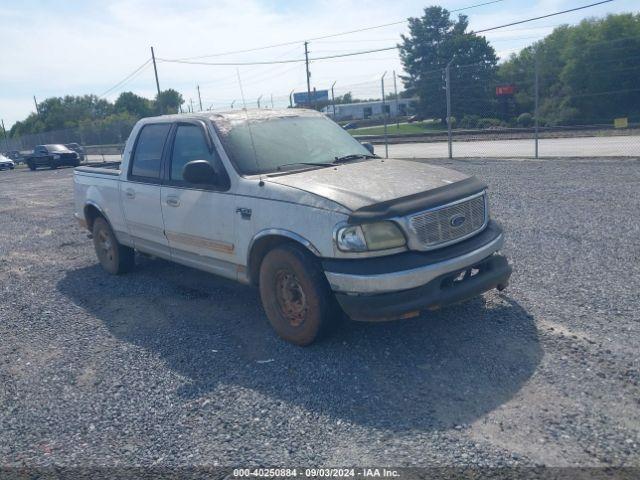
point(32, 166)
point(296, 295)
point(114, 258)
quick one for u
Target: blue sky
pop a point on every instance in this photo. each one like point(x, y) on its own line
point(53, 48)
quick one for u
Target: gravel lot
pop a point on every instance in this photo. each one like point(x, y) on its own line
point(170, 366)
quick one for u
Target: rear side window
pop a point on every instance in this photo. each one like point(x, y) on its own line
point(147, 156)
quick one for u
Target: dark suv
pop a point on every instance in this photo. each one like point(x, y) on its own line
point(52, 156)
point(78, 149)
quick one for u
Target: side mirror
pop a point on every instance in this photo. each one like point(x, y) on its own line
point(368, 146)
point(199, 172)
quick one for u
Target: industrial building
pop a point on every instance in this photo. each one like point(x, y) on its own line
point(373, 109)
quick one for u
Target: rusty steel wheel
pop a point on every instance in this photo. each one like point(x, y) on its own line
point(291, 298)
point(105, 247)
point(113, 257)
point(295, 294)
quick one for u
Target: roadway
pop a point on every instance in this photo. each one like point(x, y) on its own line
point(612, 146)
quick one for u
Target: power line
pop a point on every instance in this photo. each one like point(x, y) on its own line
point(349, 32)
point(363, 52)
point(272, 62)
point(543, 16)
point(125, 79)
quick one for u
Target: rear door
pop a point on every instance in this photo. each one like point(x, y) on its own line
point(140, 194)
point(199, 220)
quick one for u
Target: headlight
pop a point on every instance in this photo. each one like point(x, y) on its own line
point(369, 236)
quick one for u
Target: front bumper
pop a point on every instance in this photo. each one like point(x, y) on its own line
point(390, 287)
point(493, 272)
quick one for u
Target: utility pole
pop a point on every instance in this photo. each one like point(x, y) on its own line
point(6, 140)
point(191, 105)
point(260, 97)
point(315, 99)
point(155, 70)
point(536, 102)
point(306, 61)
point(232, 104)
point(36, 104)
point(384, 113)
point(272, 101)
point(395, 89)
point(291, 98)
point(333, 101)
point(448, 86)
point(199, 97)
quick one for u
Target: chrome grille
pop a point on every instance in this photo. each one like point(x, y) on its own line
point(436, 227)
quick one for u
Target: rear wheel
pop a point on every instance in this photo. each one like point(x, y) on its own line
point(32, 166)
point(296, 296)
point(113, 257)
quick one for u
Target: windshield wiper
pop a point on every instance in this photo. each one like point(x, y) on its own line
point(314, 164)
point(353, 156)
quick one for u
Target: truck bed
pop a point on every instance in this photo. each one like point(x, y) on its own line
point(107, 168)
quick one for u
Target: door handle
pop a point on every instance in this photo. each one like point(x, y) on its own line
point(173, 201)
point(130, 193)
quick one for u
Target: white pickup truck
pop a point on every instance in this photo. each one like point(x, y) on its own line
point(288, 201)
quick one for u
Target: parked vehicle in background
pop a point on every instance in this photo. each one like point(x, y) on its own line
point(6, 163)
point(288, 201)
point(350, 126)
point(76, 147)
point(52, 156)
point(415, 118)
point(14, 155)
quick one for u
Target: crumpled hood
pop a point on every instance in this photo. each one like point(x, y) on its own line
point(359, 184)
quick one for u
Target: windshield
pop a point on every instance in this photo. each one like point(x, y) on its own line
point(288, 140)
point(57, 148)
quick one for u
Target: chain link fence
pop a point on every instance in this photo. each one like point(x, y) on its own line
point(466, 111)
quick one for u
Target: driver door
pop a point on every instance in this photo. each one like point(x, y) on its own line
point(199, 220)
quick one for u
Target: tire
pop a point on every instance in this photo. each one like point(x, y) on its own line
point(296, 296)
point(116, 259)
point(32, 166)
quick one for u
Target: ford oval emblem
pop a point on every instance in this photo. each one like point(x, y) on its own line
point(457, 220)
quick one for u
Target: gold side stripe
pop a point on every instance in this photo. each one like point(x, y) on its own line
point(199, 242)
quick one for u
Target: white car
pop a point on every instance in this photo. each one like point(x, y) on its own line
point(6, 163)
point(288, 201)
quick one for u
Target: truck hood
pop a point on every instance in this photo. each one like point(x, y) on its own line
point(361, 184)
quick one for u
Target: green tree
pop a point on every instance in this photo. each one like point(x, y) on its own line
point(588, 73)
point(168, 101)
point(434, 40)
point(58, 113)
point(134, 104)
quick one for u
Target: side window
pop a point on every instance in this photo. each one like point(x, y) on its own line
point(148, 154)
point(190, 144)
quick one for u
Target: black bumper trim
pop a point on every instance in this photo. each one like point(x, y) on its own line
point(493, 272)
